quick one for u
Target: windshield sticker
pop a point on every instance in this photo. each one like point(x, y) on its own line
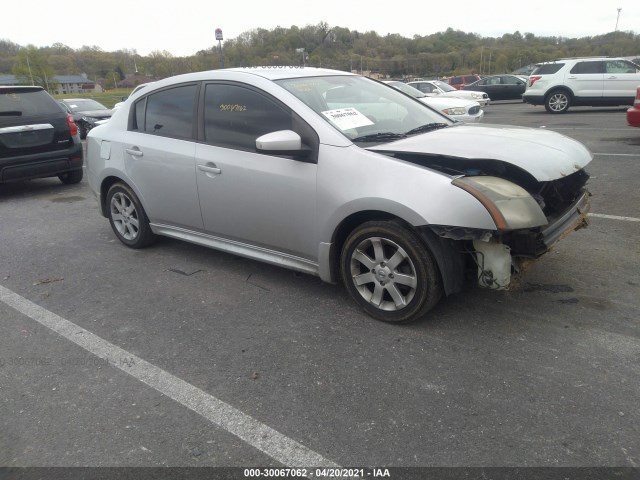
point(346, 118)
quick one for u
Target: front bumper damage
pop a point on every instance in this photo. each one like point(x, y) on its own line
point(498, 257)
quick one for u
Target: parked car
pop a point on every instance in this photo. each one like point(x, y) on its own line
point(37, 138)
point(336, 175)
point(135, 90)
point(459, 81)
point(434, 88)
point(86, 113)
point(587, 81)
point(633, 114)
point(462, 110)
point(500, 87)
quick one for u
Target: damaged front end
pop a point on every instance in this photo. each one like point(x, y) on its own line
point(530, 216)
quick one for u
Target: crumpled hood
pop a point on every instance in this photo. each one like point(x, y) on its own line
point(546, 155)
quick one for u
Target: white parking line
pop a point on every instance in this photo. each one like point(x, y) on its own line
point(618, 154)
point(613, 217)
point(260, 436)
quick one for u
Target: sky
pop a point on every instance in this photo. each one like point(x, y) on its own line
point(185, 27)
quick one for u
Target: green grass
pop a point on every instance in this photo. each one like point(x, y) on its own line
point(108, 99)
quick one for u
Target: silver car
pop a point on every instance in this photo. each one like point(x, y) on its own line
point(339, 176)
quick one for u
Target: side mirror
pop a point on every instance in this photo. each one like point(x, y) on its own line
point(282, 142)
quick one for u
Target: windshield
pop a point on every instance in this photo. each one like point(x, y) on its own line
point(84, 105)
point(444, 86)
point(364, 109)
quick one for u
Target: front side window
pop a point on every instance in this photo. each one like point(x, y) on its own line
point(169, 113)
point(621, 66)
point(235, 116)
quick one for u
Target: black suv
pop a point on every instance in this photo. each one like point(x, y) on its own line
point(37, 137)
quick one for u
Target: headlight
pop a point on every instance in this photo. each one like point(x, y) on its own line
point(476, 95)
point(455, 111)
point(510, 205)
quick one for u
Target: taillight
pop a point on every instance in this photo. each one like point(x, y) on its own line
point(73, 128)
point(637, 101)
point(533, 80)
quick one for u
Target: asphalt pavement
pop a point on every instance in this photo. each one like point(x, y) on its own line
point(181, 356)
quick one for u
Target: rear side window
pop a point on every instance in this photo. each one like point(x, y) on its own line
point(548, 69)
point(588, 67)
point(456, 81)
point(27, 103)
point(169, 113)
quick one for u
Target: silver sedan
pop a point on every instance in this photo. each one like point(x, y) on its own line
point(339, 176)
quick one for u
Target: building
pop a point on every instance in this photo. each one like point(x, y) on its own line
point(60, 84)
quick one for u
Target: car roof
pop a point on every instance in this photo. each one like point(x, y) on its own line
point(268, 73)
point(566, 59)
point(278, 73)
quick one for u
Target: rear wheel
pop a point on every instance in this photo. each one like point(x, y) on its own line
point(389, 272)
point(557, 102)
point(127, 217)
point(75, 176)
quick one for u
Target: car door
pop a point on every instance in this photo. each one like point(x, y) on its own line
point(492, 87)
point(621, 79)
point(513, 87)
point(586, 79)
point(159, 156)
point(249, 197)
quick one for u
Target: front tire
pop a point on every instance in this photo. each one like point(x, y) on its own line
point(557, 102)
point(127, 217)
point(390, 272)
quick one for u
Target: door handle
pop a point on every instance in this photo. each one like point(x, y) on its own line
point(134, 151)
point(210, 168)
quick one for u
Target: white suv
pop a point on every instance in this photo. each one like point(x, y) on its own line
point(582, 82)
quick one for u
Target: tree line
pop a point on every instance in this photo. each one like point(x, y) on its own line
point(451, 52)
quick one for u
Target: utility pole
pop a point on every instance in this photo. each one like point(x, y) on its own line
point(617, 19)
point(219, 39)
point(29, 67)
